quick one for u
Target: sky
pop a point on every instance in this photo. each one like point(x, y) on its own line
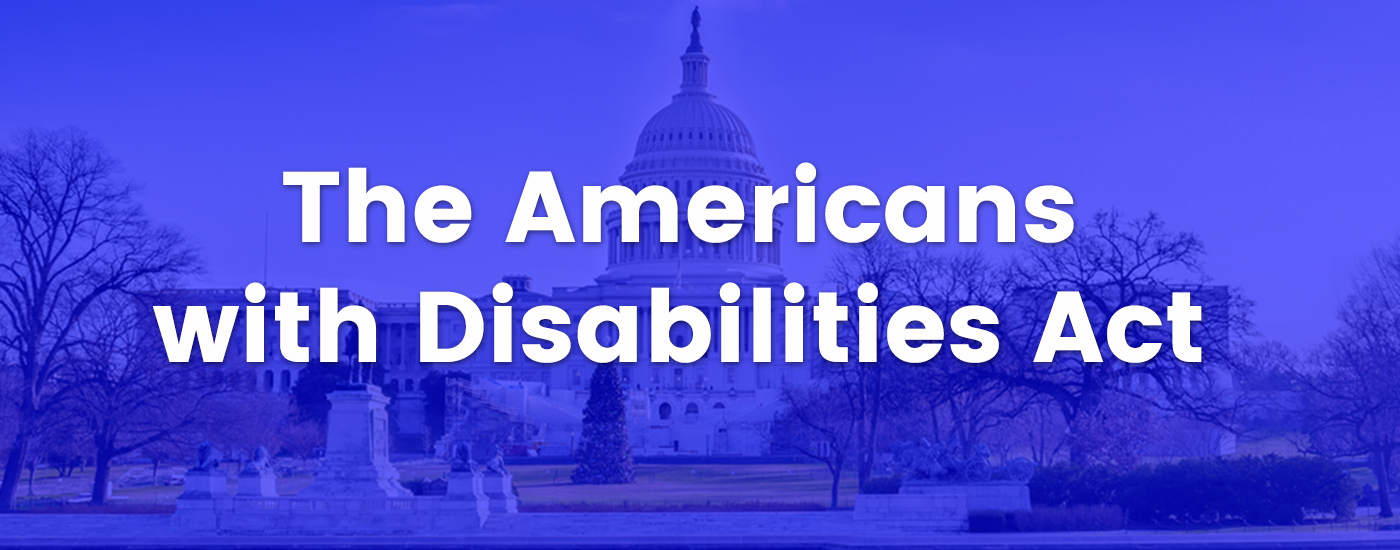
point(1270, 129)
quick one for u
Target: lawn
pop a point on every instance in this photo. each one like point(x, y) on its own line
point(661, 484)
point(657, 485)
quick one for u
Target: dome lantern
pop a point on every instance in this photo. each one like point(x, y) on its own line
point(695, 65)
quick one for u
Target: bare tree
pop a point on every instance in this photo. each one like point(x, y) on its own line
point(73, 235)
point(125, 390)
point(872, 388)
point(1113, 263)
point(1038, 429)
point(1352, 399)
point(962, 401)
point(821, 424)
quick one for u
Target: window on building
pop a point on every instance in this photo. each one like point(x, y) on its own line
point(680, 335)
point(267, 380)
point(286, 380)
point(692, 410)
point(664, 411)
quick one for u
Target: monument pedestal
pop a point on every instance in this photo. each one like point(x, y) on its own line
point(1001, 496)
point(925, 512)
point(466, 495)
point(500, 492)
point(205, 484)
point(205, 491)
point(356, 490)
point(357, 448)
point(257, 484)
point(464, 486)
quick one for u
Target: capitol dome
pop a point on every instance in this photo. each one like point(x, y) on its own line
point(691, 143)
point(695, 123)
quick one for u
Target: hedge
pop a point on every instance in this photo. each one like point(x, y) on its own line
point(1257, 490)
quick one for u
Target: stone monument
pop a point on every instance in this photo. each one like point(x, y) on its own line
point(940, 487)
point(355, 491)
point(357, 448)
point(206, 488)
point(938, 469)
point(498, 484)
point(464, 479)
point(257, 478)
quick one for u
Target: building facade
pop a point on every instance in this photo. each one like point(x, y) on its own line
point(703, 408)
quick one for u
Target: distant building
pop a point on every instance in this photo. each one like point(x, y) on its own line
point(704, 408)
point(699, 409)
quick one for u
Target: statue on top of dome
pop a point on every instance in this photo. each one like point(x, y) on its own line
point(695, 31)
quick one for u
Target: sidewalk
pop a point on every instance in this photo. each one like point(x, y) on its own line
point(715, 530)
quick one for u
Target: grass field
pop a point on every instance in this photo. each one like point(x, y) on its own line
point(657, 485)
point(672, 484)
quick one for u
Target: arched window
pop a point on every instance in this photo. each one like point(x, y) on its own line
point(692, 409)
point(680, 335)
point(286, 380)
point(719, 406)
point(664, 411)
point(408, 384)
point(267, 380)
point(393, 386)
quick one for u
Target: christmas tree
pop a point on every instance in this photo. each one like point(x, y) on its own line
point(604, 455)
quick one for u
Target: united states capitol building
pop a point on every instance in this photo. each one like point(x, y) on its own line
point(705, 408)
point(698, 409)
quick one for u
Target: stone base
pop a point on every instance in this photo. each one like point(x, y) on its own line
point(205, 491)
point(931, 512)
point(257, 484)
point(464, 486)
point(318, 516)
point(338, 479)
point(205, 484)
point(996, 496)
point(357, 449)
point(464, 490)
point(500, 491)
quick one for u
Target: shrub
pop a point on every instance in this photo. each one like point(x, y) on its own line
point(986, 521)
point(1254, 489)
point(670, 507)
point(1068, 484)
point(425, 487)
point(882, 485)
point(1257, 490)
point(1072, 518)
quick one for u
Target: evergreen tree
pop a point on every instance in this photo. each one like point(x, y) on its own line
point(604, 455)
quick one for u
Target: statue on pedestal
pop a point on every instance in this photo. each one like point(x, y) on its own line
point(926, 462)
point(206, 457)
point(257, 478)
point(358, 372)
point(205, 480)
point(462, 458)
point(497, 463)
point(497, 484)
